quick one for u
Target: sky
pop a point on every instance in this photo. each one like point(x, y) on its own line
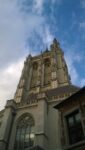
point(29, 26)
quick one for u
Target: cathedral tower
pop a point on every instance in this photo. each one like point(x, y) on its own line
point(30, 122)
point(43, 72)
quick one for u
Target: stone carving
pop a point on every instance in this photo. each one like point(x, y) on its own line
point(25, 120)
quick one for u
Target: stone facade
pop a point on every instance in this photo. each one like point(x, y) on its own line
point(73, 108)
point(43, 83)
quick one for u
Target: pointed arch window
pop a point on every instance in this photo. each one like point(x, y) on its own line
point(25, 133)
point(34, 78)
point(47, 71)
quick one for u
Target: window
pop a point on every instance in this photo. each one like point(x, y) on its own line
point(34, 78)
point(47, 71)
point(25, 133)
point(75, 130)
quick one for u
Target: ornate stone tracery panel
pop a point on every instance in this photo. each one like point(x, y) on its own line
point(25, 120)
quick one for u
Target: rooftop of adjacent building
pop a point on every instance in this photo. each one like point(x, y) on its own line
point(74, 97)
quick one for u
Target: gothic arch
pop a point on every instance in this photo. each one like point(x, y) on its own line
point(26, 119)
point(34, 78)
point(47, 71)
point(24, 132)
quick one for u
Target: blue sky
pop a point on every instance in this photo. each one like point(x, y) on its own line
point(29, 26)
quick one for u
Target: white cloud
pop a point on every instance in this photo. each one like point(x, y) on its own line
point(82, 3)
point(72, 70)
point(71, 58)
point(47, 36)
point(82, 29)
point(9, 79)
point(15, 28)
point(82, 82)
point(56, 1)
point(38, 6)
point(82, 25)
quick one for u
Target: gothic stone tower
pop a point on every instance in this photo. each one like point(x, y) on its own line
point(30, 122)
point(42, 73)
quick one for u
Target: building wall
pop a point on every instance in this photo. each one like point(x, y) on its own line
point(53, 129)
point(40, 73)
point(46, 125)
point(77, 102)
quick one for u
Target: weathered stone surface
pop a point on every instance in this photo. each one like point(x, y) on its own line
point(44, 81)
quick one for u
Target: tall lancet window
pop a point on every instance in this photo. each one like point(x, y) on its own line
point(47, 71)
point(24, 133)
point(34, 79)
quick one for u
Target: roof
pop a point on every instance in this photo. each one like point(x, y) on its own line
point(75, 95)
point(62, 90)
point(55, 92)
